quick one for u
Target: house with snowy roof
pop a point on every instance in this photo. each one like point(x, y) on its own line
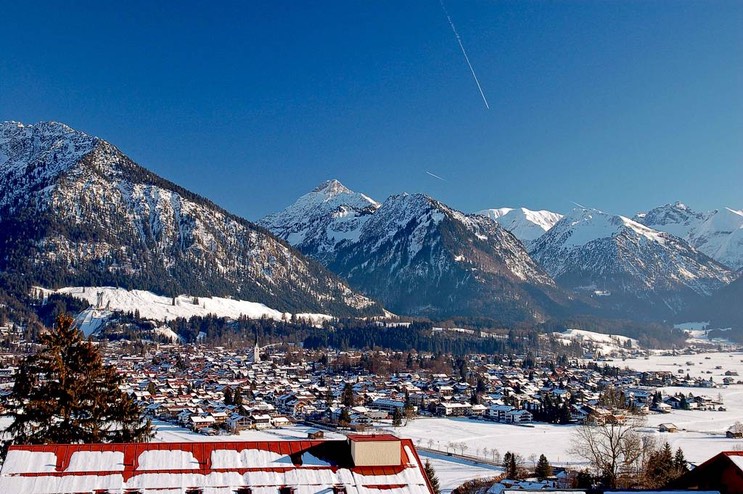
point(382, 464)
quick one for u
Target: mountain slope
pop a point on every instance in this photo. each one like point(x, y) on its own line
point(525, 224)
point(637, 267)
point(75, 211)
point(318, 222)
point(420, 257)
point(718, 233)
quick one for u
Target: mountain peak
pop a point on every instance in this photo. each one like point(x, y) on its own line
point(70, 199)
point(333, 187)
point(315, 222)
point(526, 224)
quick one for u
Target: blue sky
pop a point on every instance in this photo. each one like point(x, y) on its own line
point(616, 105)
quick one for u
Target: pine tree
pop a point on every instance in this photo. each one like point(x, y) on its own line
point(432, 478)
point(543, 469)
point(345, 417)
point(513, 469)
point(347, 396)
point(228, 399)
point(65, 394)
point(397, 417)
point(680, 466)
point(660, 467)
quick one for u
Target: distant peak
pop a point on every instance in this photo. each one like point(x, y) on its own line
point(332, 187)
point(680, 205)
point(44, 128)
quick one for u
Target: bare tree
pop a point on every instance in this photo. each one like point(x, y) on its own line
point(613, 448)
point(430, 444)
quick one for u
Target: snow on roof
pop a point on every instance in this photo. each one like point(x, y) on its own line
point(736, 459)
point(309, 466)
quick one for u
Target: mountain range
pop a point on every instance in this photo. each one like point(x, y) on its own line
point(718, 233)
point(418, 256)
point(631, 266)
point(75, 211)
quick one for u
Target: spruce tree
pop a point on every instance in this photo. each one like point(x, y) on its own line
point(65, 394)
point(227, 392)
point(432, 478)
point(237, 398)
point(397, 417)
point(679, 462)
point(347, 396)
point(345, 417)
point(544, 469)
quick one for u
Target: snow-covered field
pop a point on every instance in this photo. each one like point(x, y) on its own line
point(701, 434)
point(604, 343)
point(159, 308)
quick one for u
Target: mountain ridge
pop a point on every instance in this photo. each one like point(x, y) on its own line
point(641, 268)
point(717, 233)
point(76, 210)
point(421, 257)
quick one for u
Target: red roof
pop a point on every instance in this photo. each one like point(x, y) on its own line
point(158, 467)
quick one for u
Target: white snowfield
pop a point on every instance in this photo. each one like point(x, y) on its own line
point(527, 225)
point(604, 343)
point(159, 308)
point(717, 233)
point(701, 433)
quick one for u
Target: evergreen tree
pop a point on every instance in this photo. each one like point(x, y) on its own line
point(513, 468)
point(432, 478)
point(228, 399)
point(660, 468)
point(397, 417)
point(237, 398)
point(345, 417)
point(65, 394)
point(679, 462)
point(543, 469)
point(347, 396)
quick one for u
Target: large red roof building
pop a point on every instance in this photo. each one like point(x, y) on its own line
point(381, 464)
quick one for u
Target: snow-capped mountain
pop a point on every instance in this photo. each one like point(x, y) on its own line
point(626, 262)
point(74, 210)
point(318, 222)
point(525, 224)
point(420, 257)
point(718, 233)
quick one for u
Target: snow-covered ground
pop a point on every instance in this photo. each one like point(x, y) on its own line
point(604, 343)
point(169, 433)
point(453, 472)
point(105, 300)
point(701, 434)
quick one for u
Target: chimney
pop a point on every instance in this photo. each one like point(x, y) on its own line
point(374, 450)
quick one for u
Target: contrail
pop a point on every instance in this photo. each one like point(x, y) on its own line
point(459, 40)
point(436, 176)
